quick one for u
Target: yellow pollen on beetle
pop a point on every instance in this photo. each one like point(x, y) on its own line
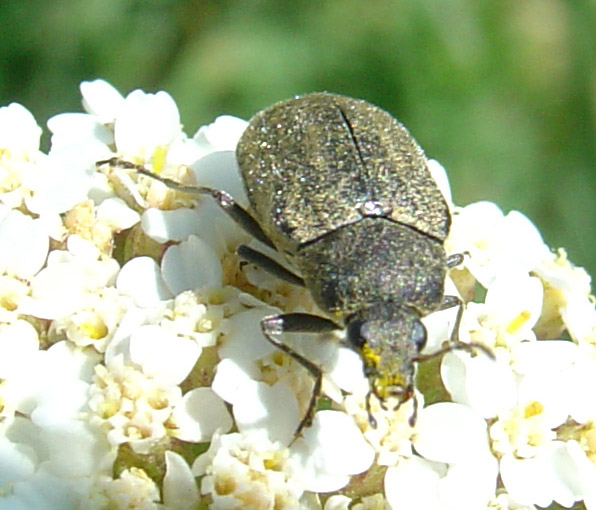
point(385, 382)
point(370, 355)
point(518, 322)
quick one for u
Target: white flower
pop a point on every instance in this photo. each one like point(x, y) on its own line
point(568, 298)
point(19, 154)
point(132, 490)
point(130, 330)
point(321, 458)
point(496, 243)
point(49, 392)
point(136, 397)
point(25, 485)
point(458, 467)
point(19, 133)
point(241, 470)
point(505, 318)
point(146, 123)
point(28, 244)
point(63, 286)
point(222, 134)
point(133, 407)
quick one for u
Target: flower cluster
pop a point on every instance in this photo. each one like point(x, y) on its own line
point(134, 374)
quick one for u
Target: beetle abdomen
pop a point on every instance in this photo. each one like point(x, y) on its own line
point(374, 261)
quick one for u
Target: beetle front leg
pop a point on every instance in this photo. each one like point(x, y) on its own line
point(450, 302)
point(276, 325)
point(454, 342)
point(224, 200)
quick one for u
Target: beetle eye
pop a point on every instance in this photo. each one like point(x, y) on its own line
point(355, 334)
point(418, 335)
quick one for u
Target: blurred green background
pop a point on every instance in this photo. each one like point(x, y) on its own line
point(502, 93)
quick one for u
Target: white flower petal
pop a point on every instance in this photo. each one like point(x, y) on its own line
point(18, 343)
point(191, 265)
point(338, 502)
point(59, 400)
point(56, 291)
point(44, 491)
point(93, 453)
point(450, 433)
point(69, 129)
point(271, 408)
point(25, 245)
point(18, 462)
point(232, 381)
point(222, 134)
point(18, 129)
point(244, 339)
point(470, 486)
point(486, 385)
point(180, 491)
point(525, 240)
point(414, 484)
point(219, 170)
point(347, 371)
point(145, 122)
point(174, 225)
point(140, 278)
point(117, 214)
point(101, 99)
point(162, 354)
point(324, 460)
point(518, 311)
point(200, 413)
point(577, 471)
point(580, 317)
point(439, 174)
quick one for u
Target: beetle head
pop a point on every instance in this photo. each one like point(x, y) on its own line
point(388, 339)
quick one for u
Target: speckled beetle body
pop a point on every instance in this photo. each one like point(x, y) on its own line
point(344, 192)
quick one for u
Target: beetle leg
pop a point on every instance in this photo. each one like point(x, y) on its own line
point(240, 216)
point(450, 302)
point(456, 259)
point(275, 325)
point(268, 264)
point(454, 342)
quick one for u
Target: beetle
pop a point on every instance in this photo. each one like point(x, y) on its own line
point(343, 192)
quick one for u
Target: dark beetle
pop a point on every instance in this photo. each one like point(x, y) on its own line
point(343, 192)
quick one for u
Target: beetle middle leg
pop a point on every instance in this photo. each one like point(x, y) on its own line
point(268, 264)
point(275, 325)
point(240, 216)
point(455, 260)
